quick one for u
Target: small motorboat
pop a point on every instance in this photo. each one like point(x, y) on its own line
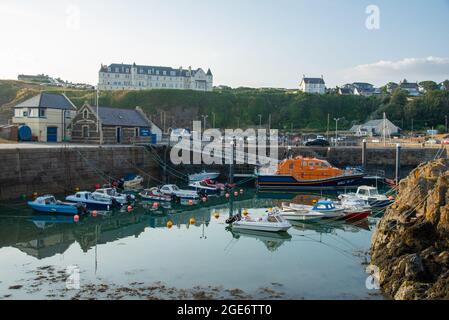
point(204, 175)
point(300, 215)
point(202, 187)
point(131, 182)
point(326, 207)
point(355, 208)
point(154, 194)
point(179, 194)
point(111, 193)
point(49, 204)
point(273, 222)
point(372, 196)
point(93, 202)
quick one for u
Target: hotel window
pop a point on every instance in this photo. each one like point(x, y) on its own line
point(42, 113)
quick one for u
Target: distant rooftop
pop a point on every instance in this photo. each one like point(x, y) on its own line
point(121, 117)
point(153, 70)
point(48, 100)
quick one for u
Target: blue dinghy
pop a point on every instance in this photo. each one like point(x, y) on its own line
point(49, 204)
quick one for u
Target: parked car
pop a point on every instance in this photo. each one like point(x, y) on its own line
point(445, 141)
point(432, 141)
point(318, 142)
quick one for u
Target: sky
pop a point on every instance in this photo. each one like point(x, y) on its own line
point(255, 43)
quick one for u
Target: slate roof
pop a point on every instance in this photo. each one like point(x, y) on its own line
point(313, 80)
point(121, 117)
point(152, 70)
point(48, 100)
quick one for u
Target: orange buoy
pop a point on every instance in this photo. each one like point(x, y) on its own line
point(77, 189)
point(76, 218)
point(169, 224)
point(192, 221)
point(190, 202)
point(130, 208)
point(156, 205)
point(245, 212)
point(216, 215)
point(97, 186)
point(94, 213)
point(236, 194)
point(228, 195)
point(204, 199)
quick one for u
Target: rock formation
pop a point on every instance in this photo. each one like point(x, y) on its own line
point(411, 243)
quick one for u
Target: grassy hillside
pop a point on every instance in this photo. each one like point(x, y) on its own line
point(175, 108)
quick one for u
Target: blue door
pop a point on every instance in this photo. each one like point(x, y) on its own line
point(52, 134)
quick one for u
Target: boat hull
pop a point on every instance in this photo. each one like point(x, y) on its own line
point(258, 227)
point(94, 206)
point(300, 217)
point(361, 215)
point(289, 183)
point(54, 209)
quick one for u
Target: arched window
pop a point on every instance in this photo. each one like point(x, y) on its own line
point(85, 114)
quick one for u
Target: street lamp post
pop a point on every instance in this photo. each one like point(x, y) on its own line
point(213, 115)
point(260, 121)
point(336, 130)
point(204, 120)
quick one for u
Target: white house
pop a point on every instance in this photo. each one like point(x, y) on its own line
point(47, 115)
point(375, 127)
point(136, 77)
point(313, 85)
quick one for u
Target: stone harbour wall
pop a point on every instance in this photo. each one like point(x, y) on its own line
point(59, 170)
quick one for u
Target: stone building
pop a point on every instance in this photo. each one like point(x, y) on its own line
point(136, 77)
point(112, 126)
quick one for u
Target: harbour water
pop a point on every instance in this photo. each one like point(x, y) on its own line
point(128, 254)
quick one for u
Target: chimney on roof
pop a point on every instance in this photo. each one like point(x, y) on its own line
point(322, 77)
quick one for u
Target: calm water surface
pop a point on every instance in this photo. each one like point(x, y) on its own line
point(312, 261)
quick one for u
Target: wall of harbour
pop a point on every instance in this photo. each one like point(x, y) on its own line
point(61, 170)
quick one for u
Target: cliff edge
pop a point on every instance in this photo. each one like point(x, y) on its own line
point(411, 243)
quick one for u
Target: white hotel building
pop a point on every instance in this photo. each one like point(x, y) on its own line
point(135, 77)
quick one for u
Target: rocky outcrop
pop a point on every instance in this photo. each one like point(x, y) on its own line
point(410, 246)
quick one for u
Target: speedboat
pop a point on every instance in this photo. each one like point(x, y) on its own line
point(131, 182)
point(202, 187)
point(372, 196)
point(304, 173)
point(154, 194)
point(204, 175)
point(176, 193)
point(93, 202)
point(273, 222)
point(49, 204)
point(325, 207)
point(308, 215)
point(355, 208)
point(111, 193)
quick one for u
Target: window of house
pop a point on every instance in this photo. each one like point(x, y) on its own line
point(85, 131)
point(25, 113)
point(85, 114)
point(137, 132)
point(42, 113)
point(18, 113)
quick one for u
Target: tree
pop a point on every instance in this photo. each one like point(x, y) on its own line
point(429, 85)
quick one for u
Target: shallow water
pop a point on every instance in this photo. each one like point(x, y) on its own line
point(312, 261)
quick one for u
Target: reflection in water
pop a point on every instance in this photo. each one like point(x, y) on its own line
point(272, 240)
point(172, 243)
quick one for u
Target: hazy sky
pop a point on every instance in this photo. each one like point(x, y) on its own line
point(245, 42)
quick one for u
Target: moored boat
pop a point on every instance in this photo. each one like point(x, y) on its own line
point(131, 182)
point(202, 187)
point(302, 173)
point(92, 202)
point(204, 175)
point(49, 204)
point(111, 193)
point(325, 207)
point(154, 194)
point(273, 222)
point(300, 215)
point(355, 208)
point(372, 196)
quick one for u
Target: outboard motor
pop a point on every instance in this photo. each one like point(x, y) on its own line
point(116, 204)
point(81, 208)
point(129, 199)
point(233, 219)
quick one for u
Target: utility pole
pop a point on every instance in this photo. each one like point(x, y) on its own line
point(336, 130)
point(269, 122)
point(213, 115)
point(385, 130)
point(260, 121)
point(204, 120)
point(328, 124)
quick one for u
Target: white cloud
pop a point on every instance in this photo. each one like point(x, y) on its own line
point(413, 69)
